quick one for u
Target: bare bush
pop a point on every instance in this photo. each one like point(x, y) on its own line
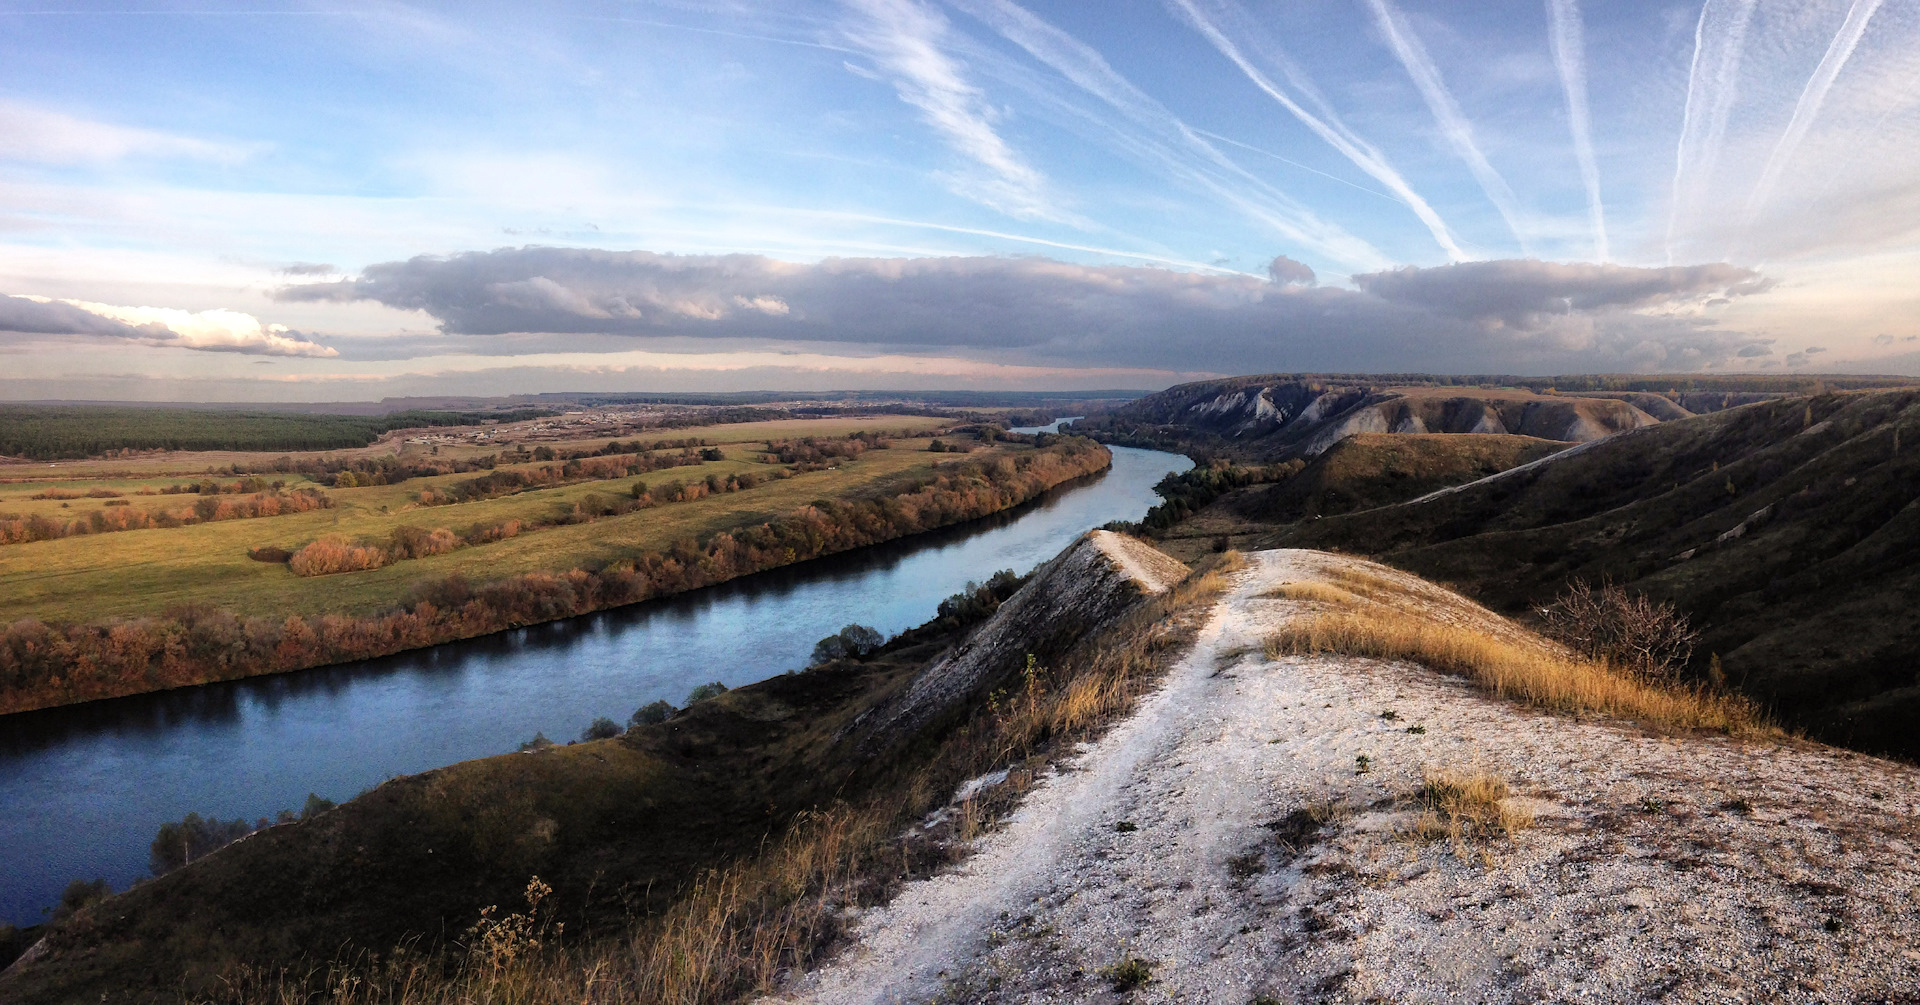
point(1627, 630)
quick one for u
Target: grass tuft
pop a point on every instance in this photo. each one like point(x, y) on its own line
point(1459, 806)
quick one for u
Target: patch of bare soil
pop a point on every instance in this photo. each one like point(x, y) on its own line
point(1252, 834)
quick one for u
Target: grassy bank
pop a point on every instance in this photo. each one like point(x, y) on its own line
point(136, 611)
point(694, 861)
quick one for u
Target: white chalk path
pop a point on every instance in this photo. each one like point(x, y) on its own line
point(1696, 869)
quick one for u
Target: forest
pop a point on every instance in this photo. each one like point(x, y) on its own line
point(57, 432)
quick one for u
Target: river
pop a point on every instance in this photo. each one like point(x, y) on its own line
point(83, 789)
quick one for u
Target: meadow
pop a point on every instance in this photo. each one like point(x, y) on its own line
point(385, 553)
point(126, 574)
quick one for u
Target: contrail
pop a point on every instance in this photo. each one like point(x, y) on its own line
point(1712, 80)
point(1811, 98)
point(1362, 154)
point(1166, 133)
point(1446, 111)
point(1570, 56)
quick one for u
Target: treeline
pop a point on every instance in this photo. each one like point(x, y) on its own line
point(1187, 492)
point(506, 481)
point(53, 664)
point(333, 554)
point(52, 432)
point(16, 529)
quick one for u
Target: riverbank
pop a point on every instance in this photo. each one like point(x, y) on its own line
point(43, 665)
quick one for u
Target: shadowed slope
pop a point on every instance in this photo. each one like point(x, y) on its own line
point(1788, 529)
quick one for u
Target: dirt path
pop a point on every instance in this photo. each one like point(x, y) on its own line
point(1697, 869)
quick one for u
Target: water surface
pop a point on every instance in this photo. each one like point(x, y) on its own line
point(83, 789)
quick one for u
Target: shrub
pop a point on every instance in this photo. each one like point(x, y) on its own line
point(193, 837)
point(1627, 630)
point(80, 895)
point(705, 691)
point(602, 728)
point(332, 554)
point(539, 742)
point(1128, 974)
point(853, 640)
point(652, 714)
point(713, 454)
point(315, 806)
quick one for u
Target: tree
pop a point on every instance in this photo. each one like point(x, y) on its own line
point(853, 640)
point(705, 691)
point(602, 728)
point(80, 895)
point(652, 714)
point(194, 837)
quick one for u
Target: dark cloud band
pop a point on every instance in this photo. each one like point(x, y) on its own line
point(1467, 314)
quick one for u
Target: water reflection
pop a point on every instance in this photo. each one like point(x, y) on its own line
point(84, 788)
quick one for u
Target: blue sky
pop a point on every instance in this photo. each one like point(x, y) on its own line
point(352, 200)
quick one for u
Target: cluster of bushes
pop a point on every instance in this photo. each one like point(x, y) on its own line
point(16, 529)
point(813, 453)
point(1191, 490)
point(43, 665)
point(650, 714)
point(359, 472)
point(510, 480)
point(336, 554)
point(195, 837)
point(92, 493)
point(209, 487)
point(853, 640)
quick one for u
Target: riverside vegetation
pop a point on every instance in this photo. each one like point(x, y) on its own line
point(412, 558)
point(699, 857)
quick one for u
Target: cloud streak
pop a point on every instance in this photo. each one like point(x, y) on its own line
point(1812, 97)
point(1446, 111)
point(1327, 126)
point(42, 136)
point(1565, 37)
point(208, 331)
point(905, 39)
point(1712, 85)
point(1170, 144)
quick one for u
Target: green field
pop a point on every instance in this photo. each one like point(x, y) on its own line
point(91, 577)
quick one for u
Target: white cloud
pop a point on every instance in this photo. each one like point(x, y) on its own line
point(37, 135)
point(216, 330)
point(906, 39)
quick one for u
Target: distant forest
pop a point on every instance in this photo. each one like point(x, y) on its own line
point(54, 432)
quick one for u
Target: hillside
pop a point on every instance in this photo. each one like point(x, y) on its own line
point(1326, 828)
point(1280, 416)
point(790, 788)
point(1376, 469)
point(1788, 529)
point(1196, 789)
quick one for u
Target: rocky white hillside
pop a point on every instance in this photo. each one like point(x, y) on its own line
point(1271, 828)
point(1281, 416)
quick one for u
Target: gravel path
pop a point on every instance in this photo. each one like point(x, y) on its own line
point(1694, 869)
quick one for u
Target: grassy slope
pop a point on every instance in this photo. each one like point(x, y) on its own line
point(1379, 469)
point(1810, 607)
point(143, 572)
point(621, 829)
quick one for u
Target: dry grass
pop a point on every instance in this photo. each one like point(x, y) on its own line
point(741, 930)
point(1461, 806)
point(1312, 593)
point(1519, 668)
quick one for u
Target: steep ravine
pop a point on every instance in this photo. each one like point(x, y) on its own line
point(1673, 868)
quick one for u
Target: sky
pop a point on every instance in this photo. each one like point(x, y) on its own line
point(274, 201)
